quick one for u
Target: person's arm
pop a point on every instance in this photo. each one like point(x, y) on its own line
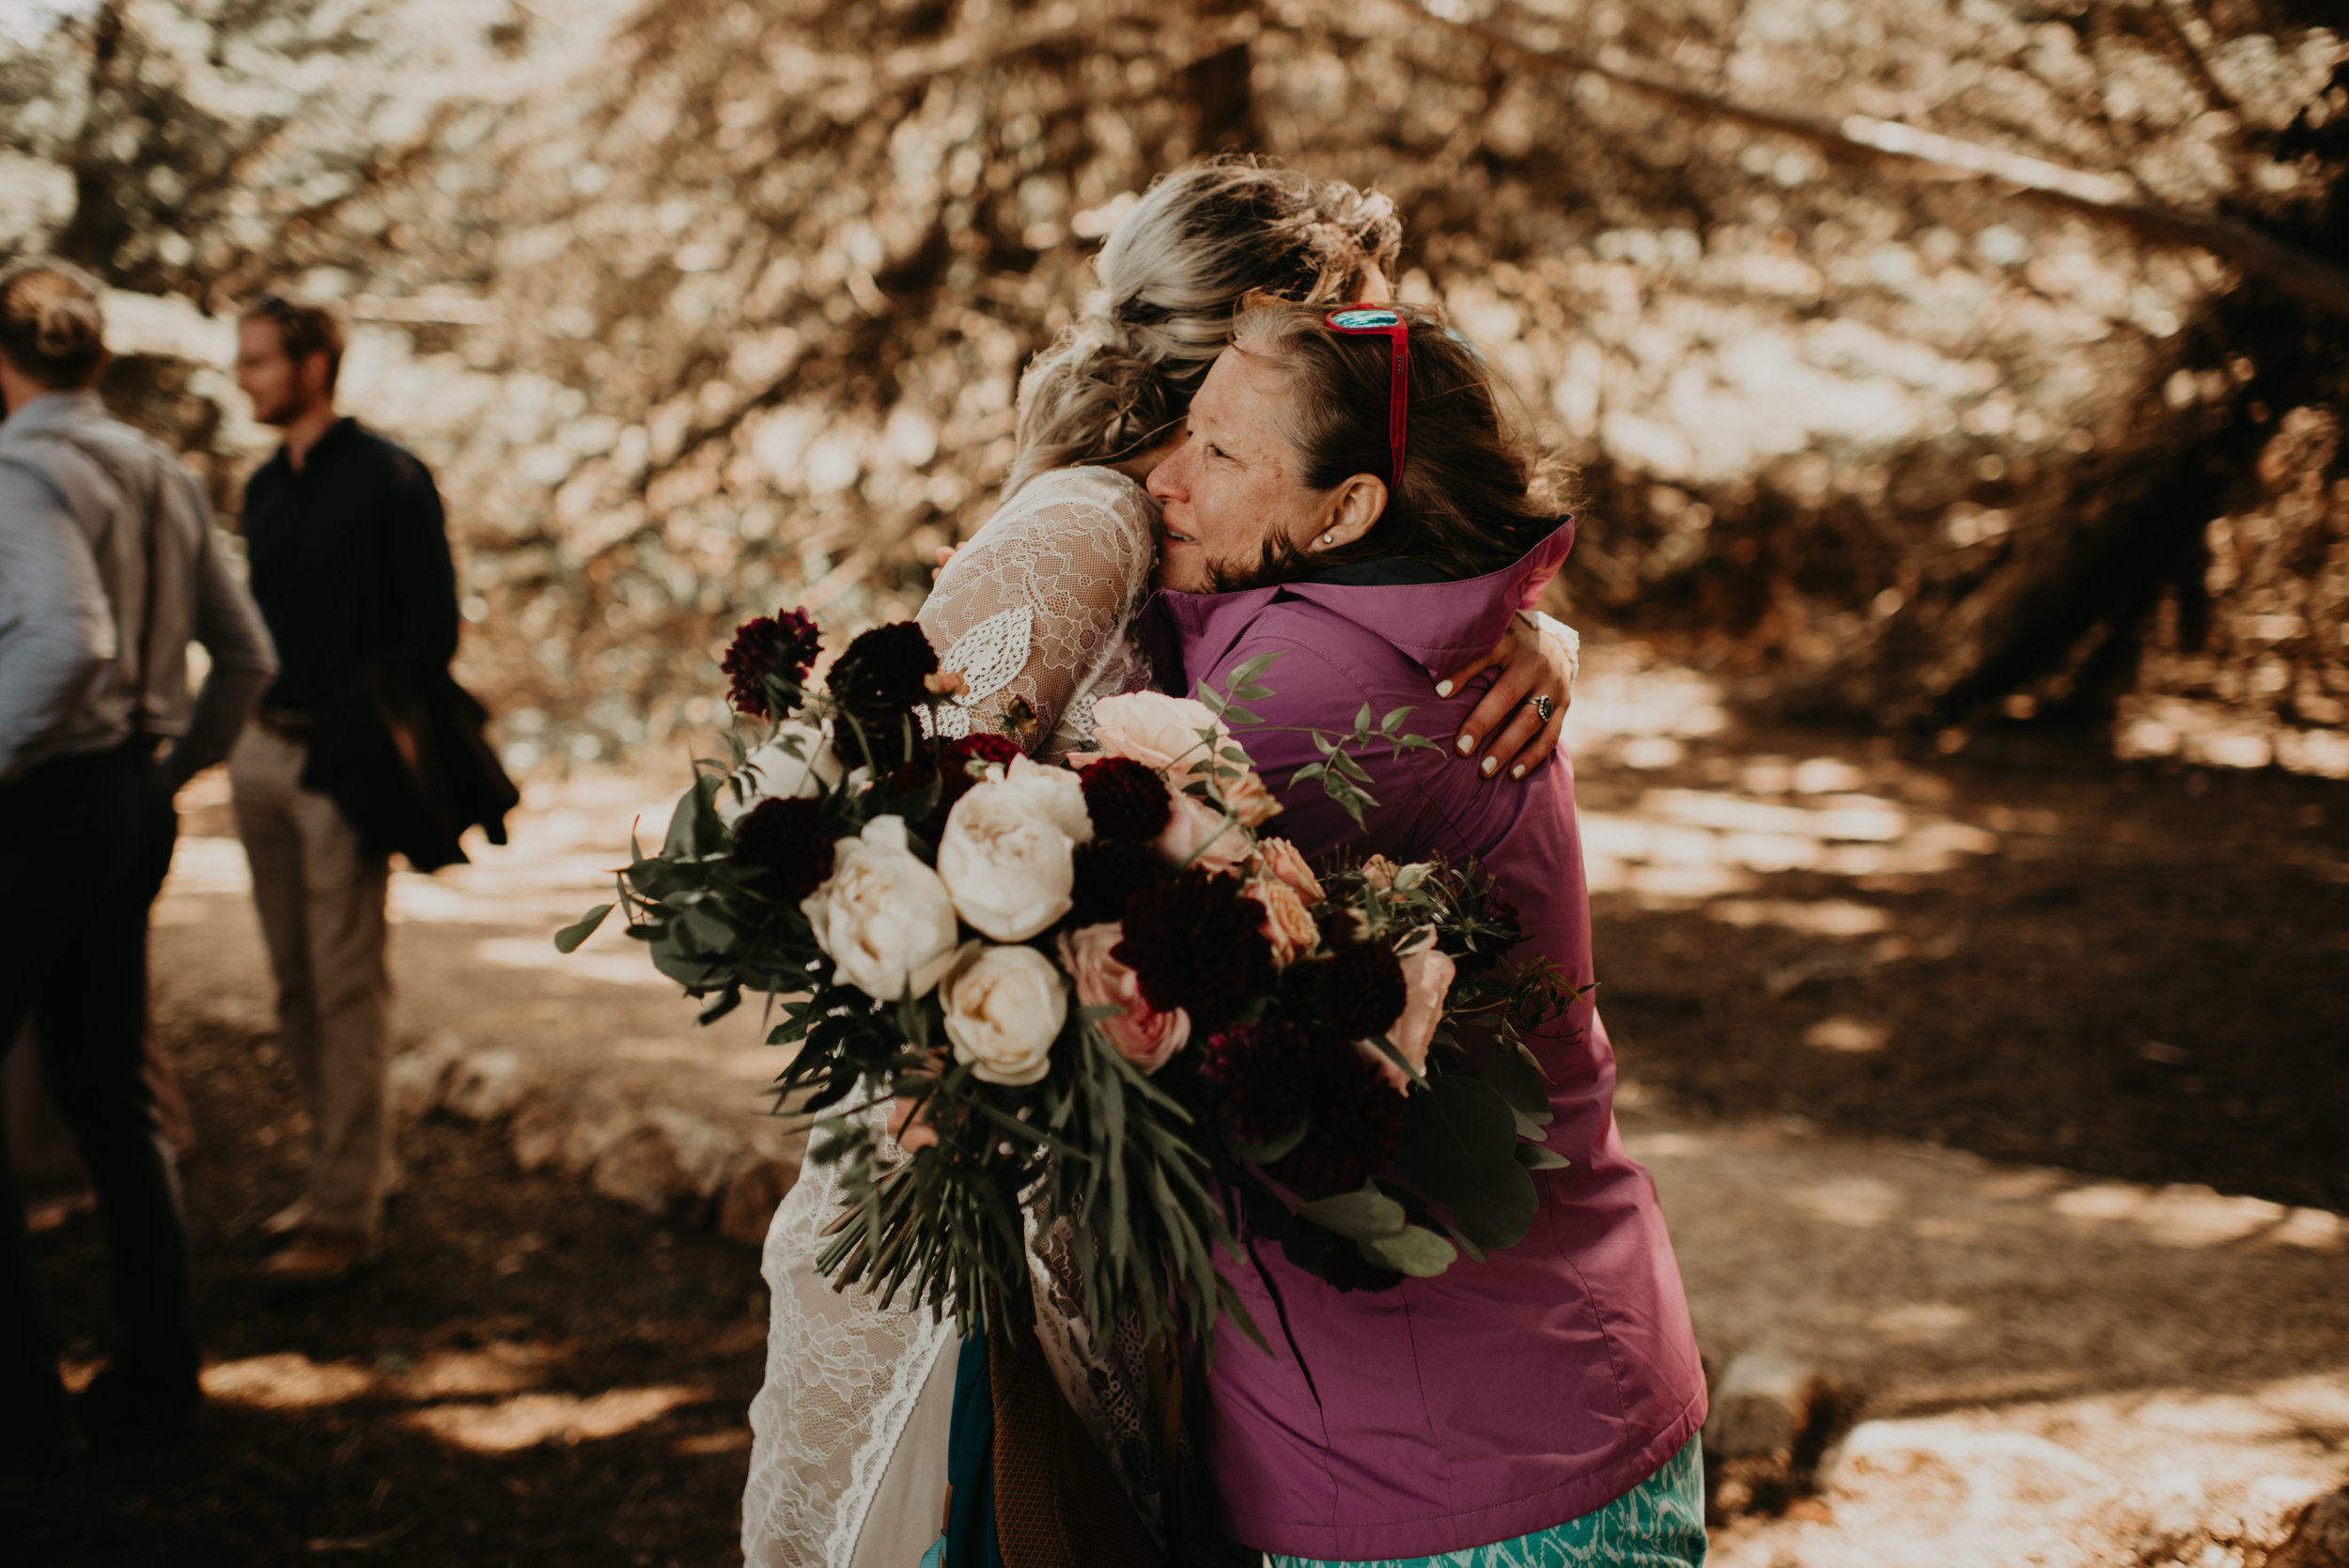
point(1026, 608)
point(57, 630)
point(423, 575)
point(1537, 657)
point(244, 662)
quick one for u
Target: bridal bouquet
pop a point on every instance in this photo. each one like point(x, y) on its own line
point(1098, 994)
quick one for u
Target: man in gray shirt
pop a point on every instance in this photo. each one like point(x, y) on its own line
point(108, 567)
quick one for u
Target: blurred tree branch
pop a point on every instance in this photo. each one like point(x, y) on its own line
point(1905, 152)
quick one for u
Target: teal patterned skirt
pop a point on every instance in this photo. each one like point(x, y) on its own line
point(1657, 1524)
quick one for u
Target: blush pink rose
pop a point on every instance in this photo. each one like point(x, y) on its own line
point(1283, 861)
point(1427, 972)
point(1286, 920)
point(1143, 1036)
point(1197, 827)
point(1249, 799)
point(1156, 730)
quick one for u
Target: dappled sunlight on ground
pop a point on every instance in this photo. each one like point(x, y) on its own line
point(1672, 847)
point(2161, 1476)
point(528, 1419)
point(485, 1400)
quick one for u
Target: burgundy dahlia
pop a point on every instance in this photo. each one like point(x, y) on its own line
point(877, 681)
point(1109, 872)
point(1362, 990)
point(1258, 1073)
point(781, 647)
point(1125, 799)
point(784, 840)
point(1268, 1077)
point(1357, 1118)
point(1196, 942)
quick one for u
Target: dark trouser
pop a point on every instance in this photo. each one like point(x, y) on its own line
point(84, 844)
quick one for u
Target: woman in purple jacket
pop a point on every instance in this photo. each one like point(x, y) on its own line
point(1352, 497)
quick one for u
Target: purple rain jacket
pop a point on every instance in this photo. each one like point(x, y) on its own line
point(1500, 1398)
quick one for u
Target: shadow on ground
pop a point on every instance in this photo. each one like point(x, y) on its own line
point(530, 1374)
point(2026, 950)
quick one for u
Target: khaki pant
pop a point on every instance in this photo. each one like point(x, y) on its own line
point(321, 895)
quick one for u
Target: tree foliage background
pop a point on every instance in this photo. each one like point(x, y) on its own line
point(1928, 361)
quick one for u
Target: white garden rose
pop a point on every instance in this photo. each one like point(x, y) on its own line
point(883, 918)
point(772, 773)
point(1004, 1007)
point(1008, 864)
point(1061, 792)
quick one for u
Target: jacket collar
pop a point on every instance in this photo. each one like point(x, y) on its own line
point(54, 412)
point(1439, 626)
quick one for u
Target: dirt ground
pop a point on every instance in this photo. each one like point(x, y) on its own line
point(530, 1374)
point(2116, 997)
point(2145, 976)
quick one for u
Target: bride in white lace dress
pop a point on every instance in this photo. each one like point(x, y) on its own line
point(848, 1457)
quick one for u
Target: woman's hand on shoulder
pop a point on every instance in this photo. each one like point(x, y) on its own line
point(1518, 723)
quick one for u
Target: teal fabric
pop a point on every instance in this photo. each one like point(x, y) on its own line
point(1657, 1524)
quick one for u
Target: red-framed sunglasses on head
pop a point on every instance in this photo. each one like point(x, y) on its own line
point(1377, 320)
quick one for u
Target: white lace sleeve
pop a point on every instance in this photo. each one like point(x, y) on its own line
point(1033, 609)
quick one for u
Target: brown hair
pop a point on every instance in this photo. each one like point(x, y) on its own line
point(1171, 272)
point(1477, 490)
point(305, 327)
point(51, 326)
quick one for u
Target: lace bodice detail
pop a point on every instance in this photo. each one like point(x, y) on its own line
point(1035, 609)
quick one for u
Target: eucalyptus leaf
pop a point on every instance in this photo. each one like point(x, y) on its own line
point(1265, 1153)
point(1535, 1156)
point(569, 938)
point(1515, 1079)
point(1362, 1215)
point(1456, 1138)
point(1412, 1250)
point(1501, 1215)
point(693, 826)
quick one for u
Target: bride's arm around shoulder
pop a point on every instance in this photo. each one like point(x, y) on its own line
point(1028, 609)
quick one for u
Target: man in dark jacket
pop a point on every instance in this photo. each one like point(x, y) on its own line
point(351, 564)
point(108, 567)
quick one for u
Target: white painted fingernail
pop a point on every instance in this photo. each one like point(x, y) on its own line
point(1467, 744)
point(1443, 689)
point(1519, 771)
point(1490, 764)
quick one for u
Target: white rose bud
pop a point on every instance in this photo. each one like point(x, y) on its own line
point(1004, 1007)
point(1008, 864)
point(883, 918)
point(772, 773)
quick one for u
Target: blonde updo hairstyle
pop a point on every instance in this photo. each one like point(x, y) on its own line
point(52, 329)
point(1172, 273)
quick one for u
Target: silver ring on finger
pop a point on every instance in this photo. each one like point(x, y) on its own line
point(1545, 707)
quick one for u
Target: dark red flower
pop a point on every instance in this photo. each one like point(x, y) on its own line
point(785, 841)
point(1271, 1076)
point(1361, 989)
point(1109, 873)
point(1195, 942)
point(780, 646)
point(1258, 1071)
point(1125, 799)
point(954, 766)
point(983, 747)
point(1356, 1117)
point(877, 681)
